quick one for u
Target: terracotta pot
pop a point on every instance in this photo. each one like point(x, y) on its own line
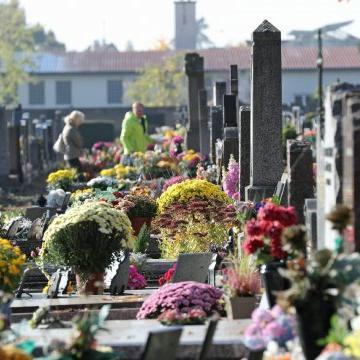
point(138, 221)
point(94, 285)
point(240, 307)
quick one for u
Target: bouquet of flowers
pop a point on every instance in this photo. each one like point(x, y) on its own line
point(189, 161)
point(269, 325)
point(105, 154)
point(231, 179)
point(136, 280)
point(181, 297)
point(61, 179)
point(167, 277)
point(263, 234)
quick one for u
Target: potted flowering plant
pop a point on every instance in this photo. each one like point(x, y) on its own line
point(263, 241)
point(61, 179)
point(88, 237)
point(12, 265)
point(241, 286)
point(140, 209)
point(182, 299)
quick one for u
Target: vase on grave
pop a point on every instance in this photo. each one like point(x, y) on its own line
point(313, 319)
point(5, 314)
point(240, 307)
point(272, 280)
point(93, 285)
point(137, 223)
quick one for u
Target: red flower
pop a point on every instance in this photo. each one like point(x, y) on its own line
point(167, 276)
point(253, 228)
point(274, 231)
point(251, 244)
point(287, 216)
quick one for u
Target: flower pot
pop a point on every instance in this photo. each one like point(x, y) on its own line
point(273, 281)
point(94, 285)
point(313, 320)
point(240, 307)
point(138, 221)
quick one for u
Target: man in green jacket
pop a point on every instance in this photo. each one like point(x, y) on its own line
point(134, 135)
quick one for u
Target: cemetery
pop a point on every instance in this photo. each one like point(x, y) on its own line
point(221, 238)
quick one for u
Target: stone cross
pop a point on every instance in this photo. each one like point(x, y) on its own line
point(194, 69)
point(216, 129)
point(219, 91)
point(300, 175)
point(351, 160)
point(266, 112)
point(244, 149)
point(204, 123)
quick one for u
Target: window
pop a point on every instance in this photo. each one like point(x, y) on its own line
point(37, 93)
point(63, 92)
point(114, 91)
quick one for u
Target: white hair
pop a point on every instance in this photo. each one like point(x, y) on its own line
point(74, 117)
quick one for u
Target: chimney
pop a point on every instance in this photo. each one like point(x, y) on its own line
point(185, 25)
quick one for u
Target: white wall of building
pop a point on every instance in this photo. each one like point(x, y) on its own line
point(90, 90)
point(87, 90)
point(305, 82)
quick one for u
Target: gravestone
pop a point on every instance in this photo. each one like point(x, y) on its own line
point(219, 91)
point(231, 144)
point(351, 160)
point(192, 267)
point(194, 69)
point(162, 344)
point(244, 149)
point(266, 112)
point(58, 283)
point(230, 111)
point(117, 275)
point(311, 222)
point(206, 347)
point(216, 129)
point(300, 175)
point(36, 212)
point(234, 80)
point(204, 123)
point(4, 149)
point(14, 143)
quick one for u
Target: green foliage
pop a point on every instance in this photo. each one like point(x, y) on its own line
point(16, 46)
point(45, 40)
point(288, 133)
point(337, 333)
point(160, 85)
point(144, 206)
point(142, 240)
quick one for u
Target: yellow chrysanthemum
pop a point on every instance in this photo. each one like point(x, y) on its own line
point(108, 172)
point(190, 189)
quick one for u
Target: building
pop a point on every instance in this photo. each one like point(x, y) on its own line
point(99, 80)
point(185, 25)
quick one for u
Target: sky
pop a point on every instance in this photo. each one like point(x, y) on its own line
point(78, 23)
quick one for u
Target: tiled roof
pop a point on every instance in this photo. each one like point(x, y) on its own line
point(215, 59)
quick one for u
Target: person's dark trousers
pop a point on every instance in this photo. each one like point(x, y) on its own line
point(75, 164)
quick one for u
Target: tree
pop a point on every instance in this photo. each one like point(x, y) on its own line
point(202, 40)
point(161, 85)
point(45, 40)
point(16, 47)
